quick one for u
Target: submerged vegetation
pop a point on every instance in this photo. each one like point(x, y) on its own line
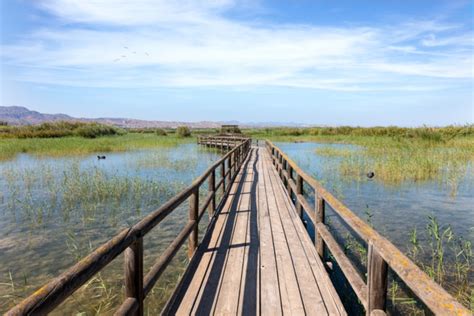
point(395, 161)
point(394, 154)
point(55, 211)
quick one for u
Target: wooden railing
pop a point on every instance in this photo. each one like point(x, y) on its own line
point(382, 254)
point(222, 142)
point(130, 241)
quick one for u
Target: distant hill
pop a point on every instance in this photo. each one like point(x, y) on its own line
point(18, 115)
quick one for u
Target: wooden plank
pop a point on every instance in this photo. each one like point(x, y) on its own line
point(289, 288)
point(270, 301)
point(194, 291)
point(329, 294)
point(212, 285)
point(309, 291)
point(227, 301)
point(249, 289)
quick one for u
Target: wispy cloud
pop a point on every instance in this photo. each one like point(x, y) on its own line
point(148, 43)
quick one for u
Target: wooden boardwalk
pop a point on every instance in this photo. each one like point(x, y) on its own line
point(257, 257)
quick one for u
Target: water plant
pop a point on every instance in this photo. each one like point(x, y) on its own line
point(398, 161)
point(54, 211)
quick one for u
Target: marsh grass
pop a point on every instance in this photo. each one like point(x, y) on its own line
point(59, 129)
point(436, 249)
point(445, 257)
point(433, 134)
point(76, 146)
point(396, 161)
point(54, 211)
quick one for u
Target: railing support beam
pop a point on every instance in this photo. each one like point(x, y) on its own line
point(320, 210)
point(193, 216)
point(377, 270)
point(212, 188)
point(133, 267)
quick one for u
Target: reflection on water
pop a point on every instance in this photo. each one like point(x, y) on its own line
point(401, 213)
point(53, 211)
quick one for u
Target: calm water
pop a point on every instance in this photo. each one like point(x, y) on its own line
point(395, 211)
point(53, 211)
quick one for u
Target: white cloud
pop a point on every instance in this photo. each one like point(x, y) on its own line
point(146, 43)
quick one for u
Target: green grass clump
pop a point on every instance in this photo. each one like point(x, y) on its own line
point(59, 129)
point(161, 132)
point(449, 259)
point(183, 131)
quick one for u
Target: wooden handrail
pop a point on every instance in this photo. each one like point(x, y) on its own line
point(382, 254)
point(130, 241)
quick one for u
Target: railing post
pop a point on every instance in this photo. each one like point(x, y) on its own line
point(320, 210)
point(229, 168)
point(193, 216)
point(212, 189)
point(377, 270)
point(223, 176)
point(299, 190)
point(280, 164)
point(289, 170)
point(133, 266)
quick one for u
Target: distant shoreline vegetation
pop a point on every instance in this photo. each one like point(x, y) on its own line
point(59, 129)
point(436, 134)
point(79, 138)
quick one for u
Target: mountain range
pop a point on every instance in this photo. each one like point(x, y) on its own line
point(19, 115)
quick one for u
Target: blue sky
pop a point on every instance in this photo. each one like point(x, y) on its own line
point(316, 62)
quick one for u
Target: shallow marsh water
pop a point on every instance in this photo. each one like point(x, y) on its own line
point(396, 210)
point(53, 211)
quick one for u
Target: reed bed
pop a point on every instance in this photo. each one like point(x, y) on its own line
point(54, 211)
point(79, 146)
point(396, 161)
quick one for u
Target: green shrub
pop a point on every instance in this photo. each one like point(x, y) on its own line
point(161, 132)
point(183, 131)
point(95, 130)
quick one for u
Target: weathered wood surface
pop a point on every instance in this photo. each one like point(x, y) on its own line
point(257, 258)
